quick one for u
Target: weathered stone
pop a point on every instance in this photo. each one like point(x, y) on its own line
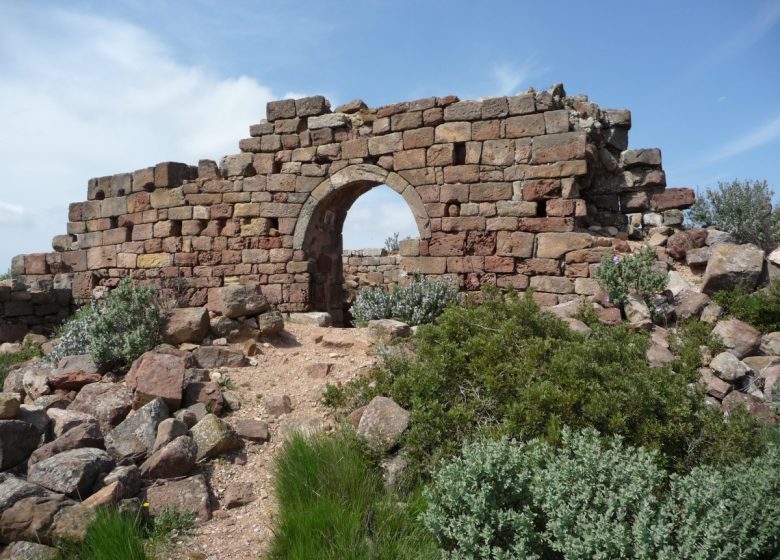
point(679, 243)
point(658, 355)
point(155, 375)
point(106, 496)
point(731, 266)
point(388, 329)
point(73, 373)
point(133, 439)
point(190, 495)
point(35, 380)
point(129, 476)
point(109, 403)
point(383, 422)
point(253, 430)
point(315, 318)
point(168, 430)
point(49, 519)
point(728, 367)
point(214, 437)
point(276, 405)
point(207, 393)
point(740, 338)
point(239, 300)
point(637, 312)
point(71, 472)
point(270, 323)
point(189, 324)
point(211, 357)
point(714, 386)
point(770, 344)
point(689, 303)
point(237, 494)
point(9, 405)
point(83, 435)
point(18, 440)
point(63, 420)
point(23, 550)
point(555, 245)
point(711, 313)
point(173, 460)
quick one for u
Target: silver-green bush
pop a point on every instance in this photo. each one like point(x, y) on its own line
point(595, 498)
point(75, 334)
point(742, 208)
point(637, 273)
point(417, 303)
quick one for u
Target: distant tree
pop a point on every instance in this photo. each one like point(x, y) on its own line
point(391, 243)
point(742, 208)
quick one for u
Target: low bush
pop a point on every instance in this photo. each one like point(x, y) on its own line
point(760, 309)
point(333, 505)
point(417, 303)
point(597, 498)
point(637, 273)
point(116, 330)
point(742, 208)
point(504, 368)
point(28, 352)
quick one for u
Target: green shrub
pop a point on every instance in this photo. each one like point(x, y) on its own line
point(597, 498)
point(760, 309)
point(637, 273)
point(166, 526)
point(28, 352)
point(116, 330)
point(6, 275)
point(503, 368)
point(112, 534)
point(742, 208)
point(333, 505)
point(420, 302)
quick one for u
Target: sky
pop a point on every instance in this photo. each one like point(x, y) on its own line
point(90, 88)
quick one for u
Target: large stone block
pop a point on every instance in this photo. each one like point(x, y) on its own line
point(453, 132)
point(311, 106)
point(555, 245)
point(385, 144)
point(559, 147)
point(526, 125)
point(731, 266)
point(282, 109)
point(515, 244)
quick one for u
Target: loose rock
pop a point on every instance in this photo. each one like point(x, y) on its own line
point(383, 422)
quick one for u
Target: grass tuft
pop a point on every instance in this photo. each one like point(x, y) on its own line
point(8, 360)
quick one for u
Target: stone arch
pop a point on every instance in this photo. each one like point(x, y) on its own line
point(318, 231)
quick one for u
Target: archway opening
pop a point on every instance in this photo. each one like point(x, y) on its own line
point(345, 244)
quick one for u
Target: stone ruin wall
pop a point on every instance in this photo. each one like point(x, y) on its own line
point(368, 268)
point(527, 190)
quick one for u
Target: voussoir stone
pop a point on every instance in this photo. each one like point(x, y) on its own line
point(383, 422)
point(133, 439)
point(238, 300)
point(187, 324)
point(740, 338)
point(155, 375)
point(71, 472)
point(731, 266)
point(18, 440)
point(214, 437)
point(109, 403)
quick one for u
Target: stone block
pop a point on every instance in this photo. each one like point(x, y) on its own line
point(463, 111)
point(263, 127)
point(453, 132)
point(525, 125)
point(113, 207)
point(461, 174)
point(171, 174)
point(541, 189)
point(406, 121)
point(559, 147)
point(555, 245)
point(499, 264)
point(409, 159)
point(516, 208)
point(556, 121)
point(552, 284)
point(283, 109)
point(441, 155)
point(515, 244)
point(237, 165)
point(672, 199)
point(418, 138)
point(495, 108)
point(385, 144)
point(167, 198)
point(424, 265)
point(647, 156)
point(311, 106)
point(541, 225)
point(521, 104)
point(490, 192)
point(329, 120)
point(498, 152)
point(357, 148)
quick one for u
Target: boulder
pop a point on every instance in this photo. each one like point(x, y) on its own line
point(676, 283)
point(771, 381)
point(48, 519)
point(211, 357)
point(190, 495)
point(14, 381)
point(253, 430)
point(35, 380)
point(63, 420)
point(232, 400)
point(208, 393)
point(711, 313)
point(9, 405)
point(754, 405)
point(230, 329)
point(128, 475)
point(24, 550)
point(46, 402)
point(760, 363)
point(133, 439)
point(714, 386)
point(187, 416)
point(388, 329)
point(690, 303)
point(107, 495)
point(658, 355)
point(173, 460)
point(156, 375)
point(188, 324)
point(728, 367)
point(270, 323)
point(770, 345)
point(276, 405)
point(637, 313)
point(383, 422)
point(13, 489)
point(72, 472)
point(731, 266)
point(74, 372)
point(18, 440)
point(698, 258)
point(35, 415)
point(717, 237)
point(109, 403)
point(83, 435)
point(214, 437)
point(681, 242)
point(237, 300)
point(739, 337)
point(167, 431)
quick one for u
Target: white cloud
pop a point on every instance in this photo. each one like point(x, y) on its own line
point(758, 137)
point(83, 96)
point(509, 78)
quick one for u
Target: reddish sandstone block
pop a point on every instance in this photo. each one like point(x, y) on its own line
point(409, 159)
point(446, 244)
point(419, 138)
point(486, 130)
point(465, 264)
point(560, 207)
point(461, 174)
point(672, 198)
point(499, 264)
point(525, 125)
point(516, 281)
point(480, 243)
point(490, 192)
point(532, 267)
point(441, 154)
point(559, 147)
point(539, 225)
point(541, 189)
point(515, 244)
point(463, 223)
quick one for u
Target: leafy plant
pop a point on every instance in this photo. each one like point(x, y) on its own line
point(114, 331)
point(504, 368)
point(595, 497)
point(167, 525)
point(421, 301)
point(742, 208)
point(637, 273)
point(333, 505)
point(760, 309)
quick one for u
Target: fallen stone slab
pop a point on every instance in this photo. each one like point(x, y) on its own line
point(173, 460)
point(72, 472)
point(732, 265)
point(187, 495)
point(388, 330)
point(313, 318)
point(157, 374)
point(211, 357)
point(214, 437)
point(109, 403)
point(133, 439)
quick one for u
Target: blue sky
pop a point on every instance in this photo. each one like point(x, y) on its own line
point(91, 88)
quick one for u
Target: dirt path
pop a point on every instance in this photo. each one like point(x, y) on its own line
point(244, 532)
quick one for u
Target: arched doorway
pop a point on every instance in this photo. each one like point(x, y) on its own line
point(319, 230)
